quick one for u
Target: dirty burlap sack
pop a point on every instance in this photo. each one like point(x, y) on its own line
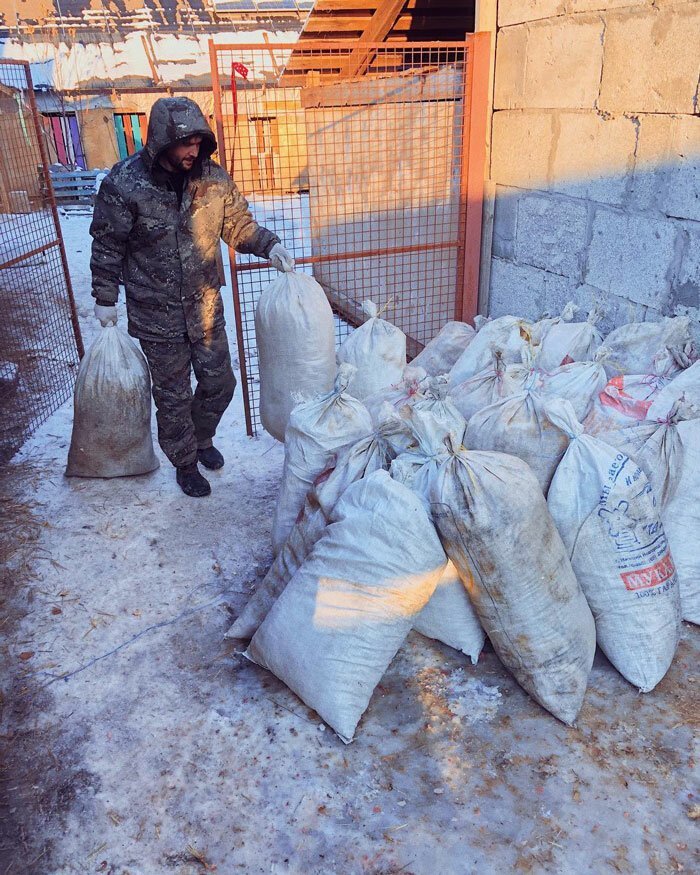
point(112, 411)
point(495, 526)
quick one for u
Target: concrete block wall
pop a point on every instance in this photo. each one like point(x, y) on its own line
point(596, 158)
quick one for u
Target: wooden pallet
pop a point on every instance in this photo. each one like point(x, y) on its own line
point(74, 186)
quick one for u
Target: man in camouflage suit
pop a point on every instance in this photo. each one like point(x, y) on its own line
point(159, 216)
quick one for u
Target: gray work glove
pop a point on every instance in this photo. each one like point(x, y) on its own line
point(280, 259)
point(106, 315)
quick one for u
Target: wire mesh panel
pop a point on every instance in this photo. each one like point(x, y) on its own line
point(40, 342)
point(355, 155)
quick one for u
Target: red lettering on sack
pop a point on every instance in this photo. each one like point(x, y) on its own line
point(654, 575)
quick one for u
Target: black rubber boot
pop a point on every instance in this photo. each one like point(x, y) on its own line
point(191, 482)
point(211, 458)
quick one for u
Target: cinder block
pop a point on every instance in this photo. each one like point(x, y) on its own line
point(593, 156)
point(551, 64)
point(664, 78)
point(602, 5)
point(524, 291)
point(516, 11)
point(552, 233)
point(682, 193)
point(505, 221)
point(511, 55)
point(631, 255)
point(520, 150)
point(686, 288)
point(667, 171)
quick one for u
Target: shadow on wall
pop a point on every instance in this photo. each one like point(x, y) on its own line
point(627, 239)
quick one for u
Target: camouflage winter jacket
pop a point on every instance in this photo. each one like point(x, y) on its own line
point(168, 256)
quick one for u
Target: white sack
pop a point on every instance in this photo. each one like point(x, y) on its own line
point(642, 347)
point(370, 453)
point(440, 406)
point(606, 513)
point(441, 353)
point(684, 386)
point(507, 333)
point(624, 401)
point(565, 342)
point(378, 350)
point(295, 335)
point(450, 618)
point(494, 524)
point(671, 457)
point(317, 430)
point(341, 619)
point(482, 389)
point(401, 396)
point(580, 383)
point(112, 410)
point(520, 425)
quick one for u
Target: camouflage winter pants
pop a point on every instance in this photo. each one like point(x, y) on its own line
point(187, 422)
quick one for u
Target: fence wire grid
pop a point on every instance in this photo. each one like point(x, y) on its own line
point(356, 156)
point(40, 343)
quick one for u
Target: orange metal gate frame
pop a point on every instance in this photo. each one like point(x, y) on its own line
point(467, 244)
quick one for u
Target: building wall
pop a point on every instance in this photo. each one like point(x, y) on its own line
point(596, 158)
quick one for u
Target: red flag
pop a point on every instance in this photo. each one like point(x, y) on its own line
point(239, 68)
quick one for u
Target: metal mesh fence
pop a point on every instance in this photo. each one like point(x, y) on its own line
point(356, 156)
point(40, 342)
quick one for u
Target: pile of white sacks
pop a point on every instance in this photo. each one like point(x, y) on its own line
point(525, 481)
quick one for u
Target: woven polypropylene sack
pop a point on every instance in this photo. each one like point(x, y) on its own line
point(508, 334)
point(495, 526)
point(671, 457)
point(637, 348)
point(295, 335)
point(482, 389)
point(450, 618)
point(439, 356)
point(580, 383)
point(520, 425)
point(606, 512)
point(370, 453)
point(341, 619)
point(317, 430)
point(684, 387)
point(112, 411)
point(410, 389)
point(377, 349)
point(566, 342)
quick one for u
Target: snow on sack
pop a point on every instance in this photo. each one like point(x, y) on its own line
point(317, 430)
point(378, 350)
point(370, 453)
point(495, 526)
point(343, 616)
point(605, 510)
point(441, 353)
point(671, 458)
point(566, 342)
point(507, 333)
point(642, 347)
point(112, 410)
point(295, 336)
point(521, 426)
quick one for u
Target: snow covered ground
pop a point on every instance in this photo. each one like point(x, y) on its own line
point(137, 742)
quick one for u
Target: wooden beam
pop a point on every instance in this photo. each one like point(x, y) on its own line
point(378, 28)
